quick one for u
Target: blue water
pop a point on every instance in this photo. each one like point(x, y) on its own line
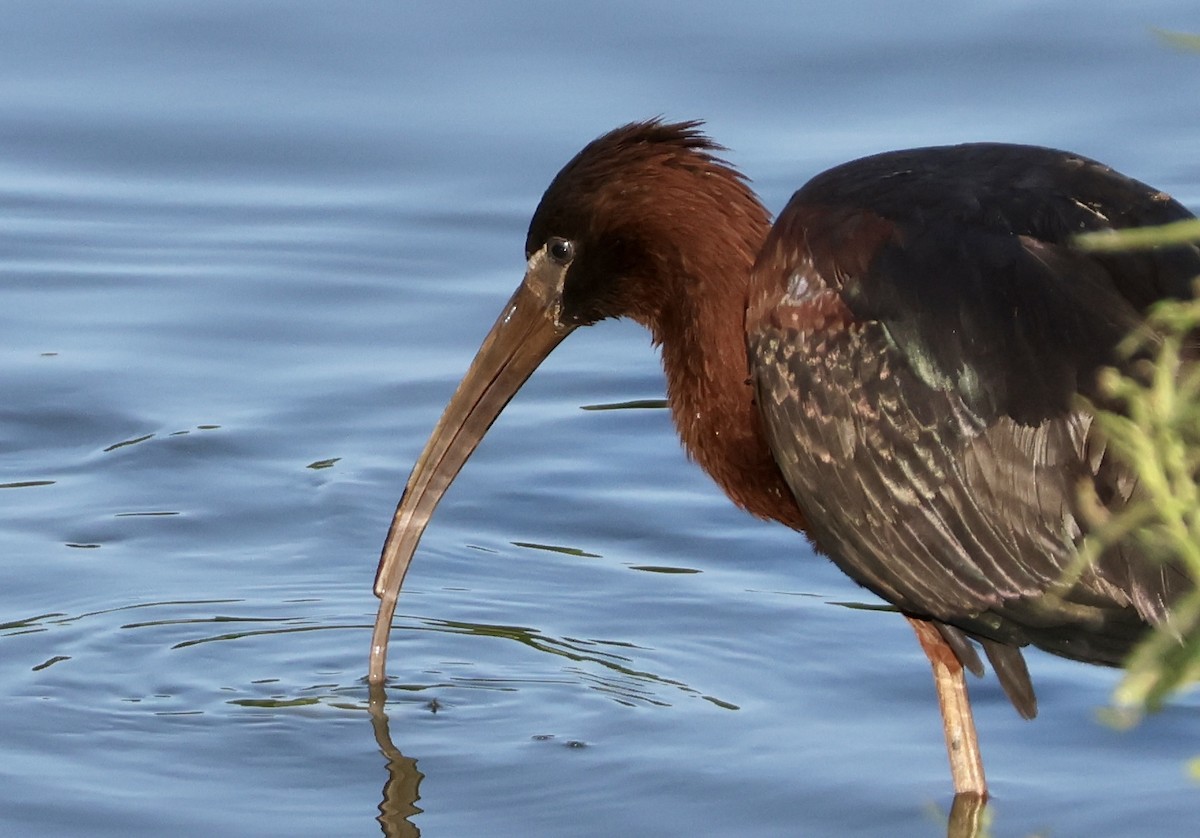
point(246, 251)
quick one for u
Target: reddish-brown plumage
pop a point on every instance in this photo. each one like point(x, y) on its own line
point(660, 259)
point(894, 368)
point(812, 241)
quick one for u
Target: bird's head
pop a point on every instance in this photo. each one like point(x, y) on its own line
point(622, 225)
point(634, 213)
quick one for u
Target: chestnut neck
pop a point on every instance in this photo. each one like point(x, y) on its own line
point(700, 325)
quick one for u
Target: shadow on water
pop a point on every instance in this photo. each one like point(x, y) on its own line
point(610, 667)
point(402, 789)
point(968, 817)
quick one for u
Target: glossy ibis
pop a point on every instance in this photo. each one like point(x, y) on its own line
point(892, 368)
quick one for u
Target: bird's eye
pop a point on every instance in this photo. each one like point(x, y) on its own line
point(560, 250)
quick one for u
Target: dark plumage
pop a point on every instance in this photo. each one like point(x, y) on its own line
point(920, 328)
point(895, 367)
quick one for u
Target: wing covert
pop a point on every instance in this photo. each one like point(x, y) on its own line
point(918, 355)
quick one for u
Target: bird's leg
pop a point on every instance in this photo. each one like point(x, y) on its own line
point(962, 743)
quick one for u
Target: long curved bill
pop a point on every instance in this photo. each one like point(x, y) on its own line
point(524, 334)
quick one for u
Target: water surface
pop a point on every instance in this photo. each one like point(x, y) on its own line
point(246, 251)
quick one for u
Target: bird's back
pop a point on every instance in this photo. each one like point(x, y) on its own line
point(920, 328)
